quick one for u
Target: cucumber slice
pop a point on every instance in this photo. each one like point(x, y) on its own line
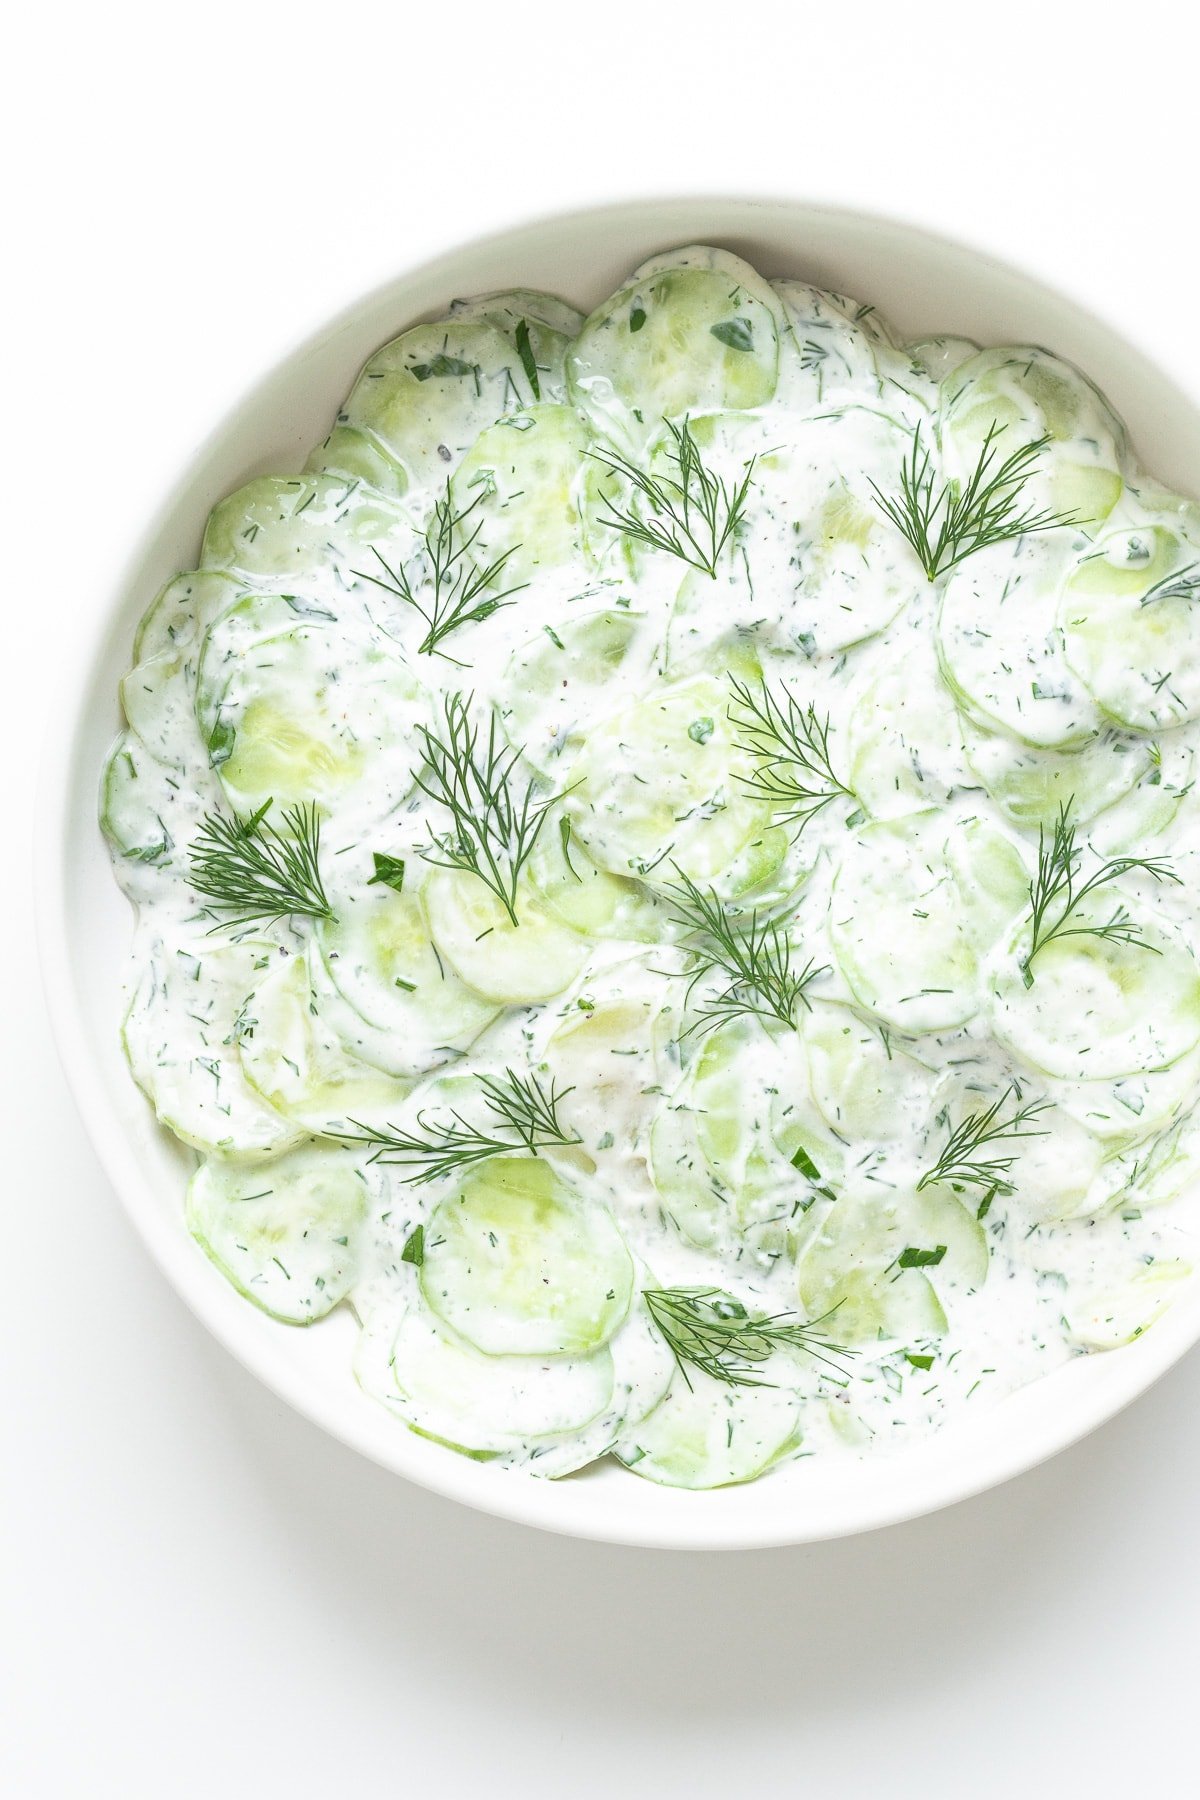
point(291, 1057)
point(280, 530)
point(707, 1435)
point(180, 1037)
point(1099, 1008)
point(304, 717)
point(1030, 785)
point(897, 928)
point(156, 703)
point(359, 456)
point(868, 1089)
point(738, 1152)
point(1149, 813)
point(1000, 648)
point(835, 571)
point(610, 1056)
point(559, 678)
point(939, 357)
point(1116, 1315)
point(1030, 394)
point(378, 954)
point(507, 963)
point(694, 331)
point(1054, 1175)
point(1128, 635)
point(180, 611)
point(524, 476)
point(135, 799)
point(694, 815)
point(590, 900)
point(521, 1263)
point(429, 393)
point(992, 879)
point(285, 1233)
point(829, 350)
point(1129, 1109)
point(854, 1268)
point(450, 1391)
point(905, 738)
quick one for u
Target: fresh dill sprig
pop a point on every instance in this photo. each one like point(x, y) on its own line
point(692, 514)
point(1056, 892)
point(754, 954)
point(962, 1162)
point(708, 1330)
point(790, 749)
point(524, 1117)
point(494, 823)
point(458, 587)
point(946, 524)
point(248, 870)
point(1183, 585)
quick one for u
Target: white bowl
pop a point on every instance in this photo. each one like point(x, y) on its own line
point(922, 284)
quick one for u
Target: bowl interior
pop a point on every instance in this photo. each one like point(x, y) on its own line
point(923, 285)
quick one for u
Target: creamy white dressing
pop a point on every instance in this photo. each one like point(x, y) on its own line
point(780, 1164)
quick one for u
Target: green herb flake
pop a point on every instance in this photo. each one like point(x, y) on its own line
point(414, 1249)
point(525, 352)
point(911, 1258)
point(389, 870)
point(735, 334)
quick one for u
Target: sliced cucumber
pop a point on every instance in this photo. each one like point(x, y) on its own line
point(739, 1154)
point(829, 351)
point(1030, 785)
point(136, 796)
point(905, 739)
point(607, 1052)
point(835, 571)
point(1098, 1007)
point(868, 1088)
point(1119, 1314)
point(591, 900)
point(1128, 635)
point(302, 718)
point(180, 1036)
point(695, 331)
point(378, 954)
point(429, 393)
point(285, 1233)
point(293, 1059)
point(705, 1434)
point(180, 611)
point(523, 478)
point(1000, 648)
point(557, 679)
point(897, 928)
point(1150, 812)
point(855, 1274)
point(695, 815)
point(1129, 1109)
point(279, 530)
point(992, 879)
point(359, 456)
point(520, 1263)
point(450, 1391)
point(507, 963)
point(1029, 394)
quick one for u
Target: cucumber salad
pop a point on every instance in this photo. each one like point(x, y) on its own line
point(664, 862)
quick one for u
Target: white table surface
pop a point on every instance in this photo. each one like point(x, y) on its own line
point(201, 1594)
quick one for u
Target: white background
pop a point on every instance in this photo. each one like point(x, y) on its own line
point(202, 1595)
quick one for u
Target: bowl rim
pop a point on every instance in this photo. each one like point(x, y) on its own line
point(525, 1501)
